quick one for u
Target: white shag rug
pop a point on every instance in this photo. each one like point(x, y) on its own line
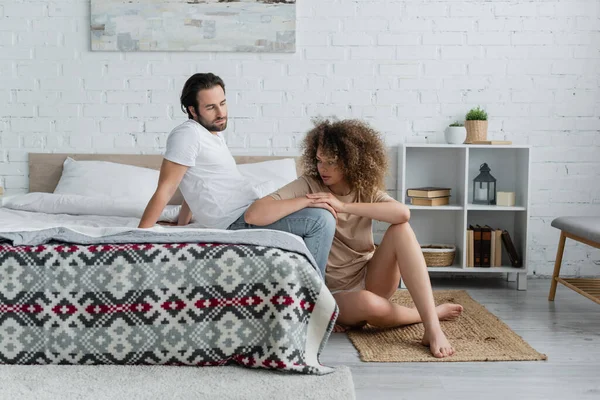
point(67, 382)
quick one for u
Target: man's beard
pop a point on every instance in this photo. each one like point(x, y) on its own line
point(212, 127)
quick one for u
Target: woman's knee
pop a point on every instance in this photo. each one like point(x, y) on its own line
point(400, 229)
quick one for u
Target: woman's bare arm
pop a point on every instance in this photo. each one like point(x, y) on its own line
point(392, 212)
point(267, 210)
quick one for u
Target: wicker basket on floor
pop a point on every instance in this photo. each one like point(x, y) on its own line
point(438, 255)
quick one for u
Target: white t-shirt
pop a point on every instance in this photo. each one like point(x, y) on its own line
point(213, 187)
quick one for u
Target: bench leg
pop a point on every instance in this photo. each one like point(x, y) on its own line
point(557, 264)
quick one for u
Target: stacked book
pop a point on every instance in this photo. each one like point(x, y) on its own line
point(484, 247)
point(429, 196)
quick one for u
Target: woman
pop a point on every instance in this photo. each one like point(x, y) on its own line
point(344, 166)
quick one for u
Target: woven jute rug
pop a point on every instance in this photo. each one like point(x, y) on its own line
point(477, 335)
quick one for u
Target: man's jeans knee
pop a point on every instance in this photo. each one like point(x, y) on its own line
point(316, 226)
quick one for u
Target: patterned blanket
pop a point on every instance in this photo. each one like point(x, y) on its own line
point(205, 302)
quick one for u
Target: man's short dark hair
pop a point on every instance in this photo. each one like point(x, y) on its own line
point(193, 85)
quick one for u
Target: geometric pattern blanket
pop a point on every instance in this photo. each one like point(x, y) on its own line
point(197, 304)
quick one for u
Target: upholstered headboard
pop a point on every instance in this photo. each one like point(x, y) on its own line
point(45, 169)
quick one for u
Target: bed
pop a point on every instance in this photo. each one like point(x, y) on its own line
point(94, 289)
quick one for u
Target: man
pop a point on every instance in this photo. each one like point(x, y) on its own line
point(198, 161)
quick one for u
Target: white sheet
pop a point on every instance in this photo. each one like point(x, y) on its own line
point(90, 225)
point(17, 220)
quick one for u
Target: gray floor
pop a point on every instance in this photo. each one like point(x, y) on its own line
point(567, 331)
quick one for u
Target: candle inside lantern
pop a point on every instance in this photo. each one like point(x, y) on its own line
point(481, 194)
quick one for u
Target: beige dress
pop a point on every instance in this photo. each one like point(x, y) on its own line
point(352, 244)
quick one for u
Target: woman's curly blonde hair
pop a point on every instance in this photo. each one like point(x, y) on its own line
point(356, 146)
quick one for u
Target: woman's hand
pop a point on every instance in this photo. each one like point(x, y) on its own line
point(312, 204)
point(327, 198)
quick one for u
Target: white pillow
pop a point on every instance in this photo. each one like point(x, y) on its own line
point(272, 174)
point(103, 178)
point(52, 203)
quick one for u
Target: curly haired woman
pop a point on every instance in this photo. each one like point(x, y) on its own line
point(344, 165)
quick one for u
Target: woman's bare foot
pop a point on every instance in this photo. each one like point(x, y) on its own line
point(339, 328)
point(448, 311)
point(438, 343)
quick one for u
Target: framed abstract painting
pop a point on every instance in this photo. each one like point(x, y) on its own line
point(194, 25)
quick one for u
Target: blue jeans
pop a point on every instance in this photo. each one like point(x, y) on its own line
point(315, 226)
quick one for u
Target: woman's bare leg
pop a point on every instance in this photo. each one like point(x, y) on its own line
point(400, 255)
point(357, 308)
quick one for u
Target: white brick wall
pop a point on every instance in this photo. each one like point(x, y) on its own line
point(409, 67)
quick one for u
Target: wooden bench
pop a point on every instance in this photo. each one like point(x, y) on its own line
point(585, 230)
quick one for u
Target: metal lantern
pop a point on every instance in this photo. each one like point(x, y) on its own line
point(484, 186)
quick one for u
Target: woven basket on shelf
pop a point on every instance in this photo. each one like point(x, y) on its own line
point(438, 255)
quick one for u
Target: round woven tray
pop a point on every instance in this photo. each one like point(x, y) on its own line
point(438, 255)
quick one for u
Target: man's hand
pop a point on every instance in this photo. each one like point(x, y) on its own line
point(185, 214)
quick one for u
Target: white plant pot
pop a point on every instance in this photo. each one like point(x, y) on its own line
point(455, 134)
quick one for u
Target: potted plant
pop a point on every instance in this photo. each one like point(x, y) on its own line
point(455, 133)
point(476, 124)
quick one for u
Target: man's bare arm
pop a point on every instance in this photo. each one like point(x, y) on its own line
point(168, 182)
point(185, 214)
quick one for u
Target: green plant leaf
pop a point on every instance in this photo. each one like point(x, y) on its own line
point(476, 114)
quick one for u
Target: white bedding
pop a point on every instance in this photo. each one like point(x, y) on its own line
point(97, 225)
point(91, 225)
point(17, 220)
point(91, 216)
point(73, 204)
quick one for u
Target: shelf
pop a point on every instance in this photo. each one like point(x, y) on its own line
point(478, 146)
point(453, 268)
point(450, 207)
point(476, 269)
point(436, 166)
point(483, 207)
point(510, 167)
point(472, 207)
point(455, 167)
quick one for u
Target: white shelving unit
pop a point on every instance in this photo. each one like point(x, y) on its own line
point(455, 166)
